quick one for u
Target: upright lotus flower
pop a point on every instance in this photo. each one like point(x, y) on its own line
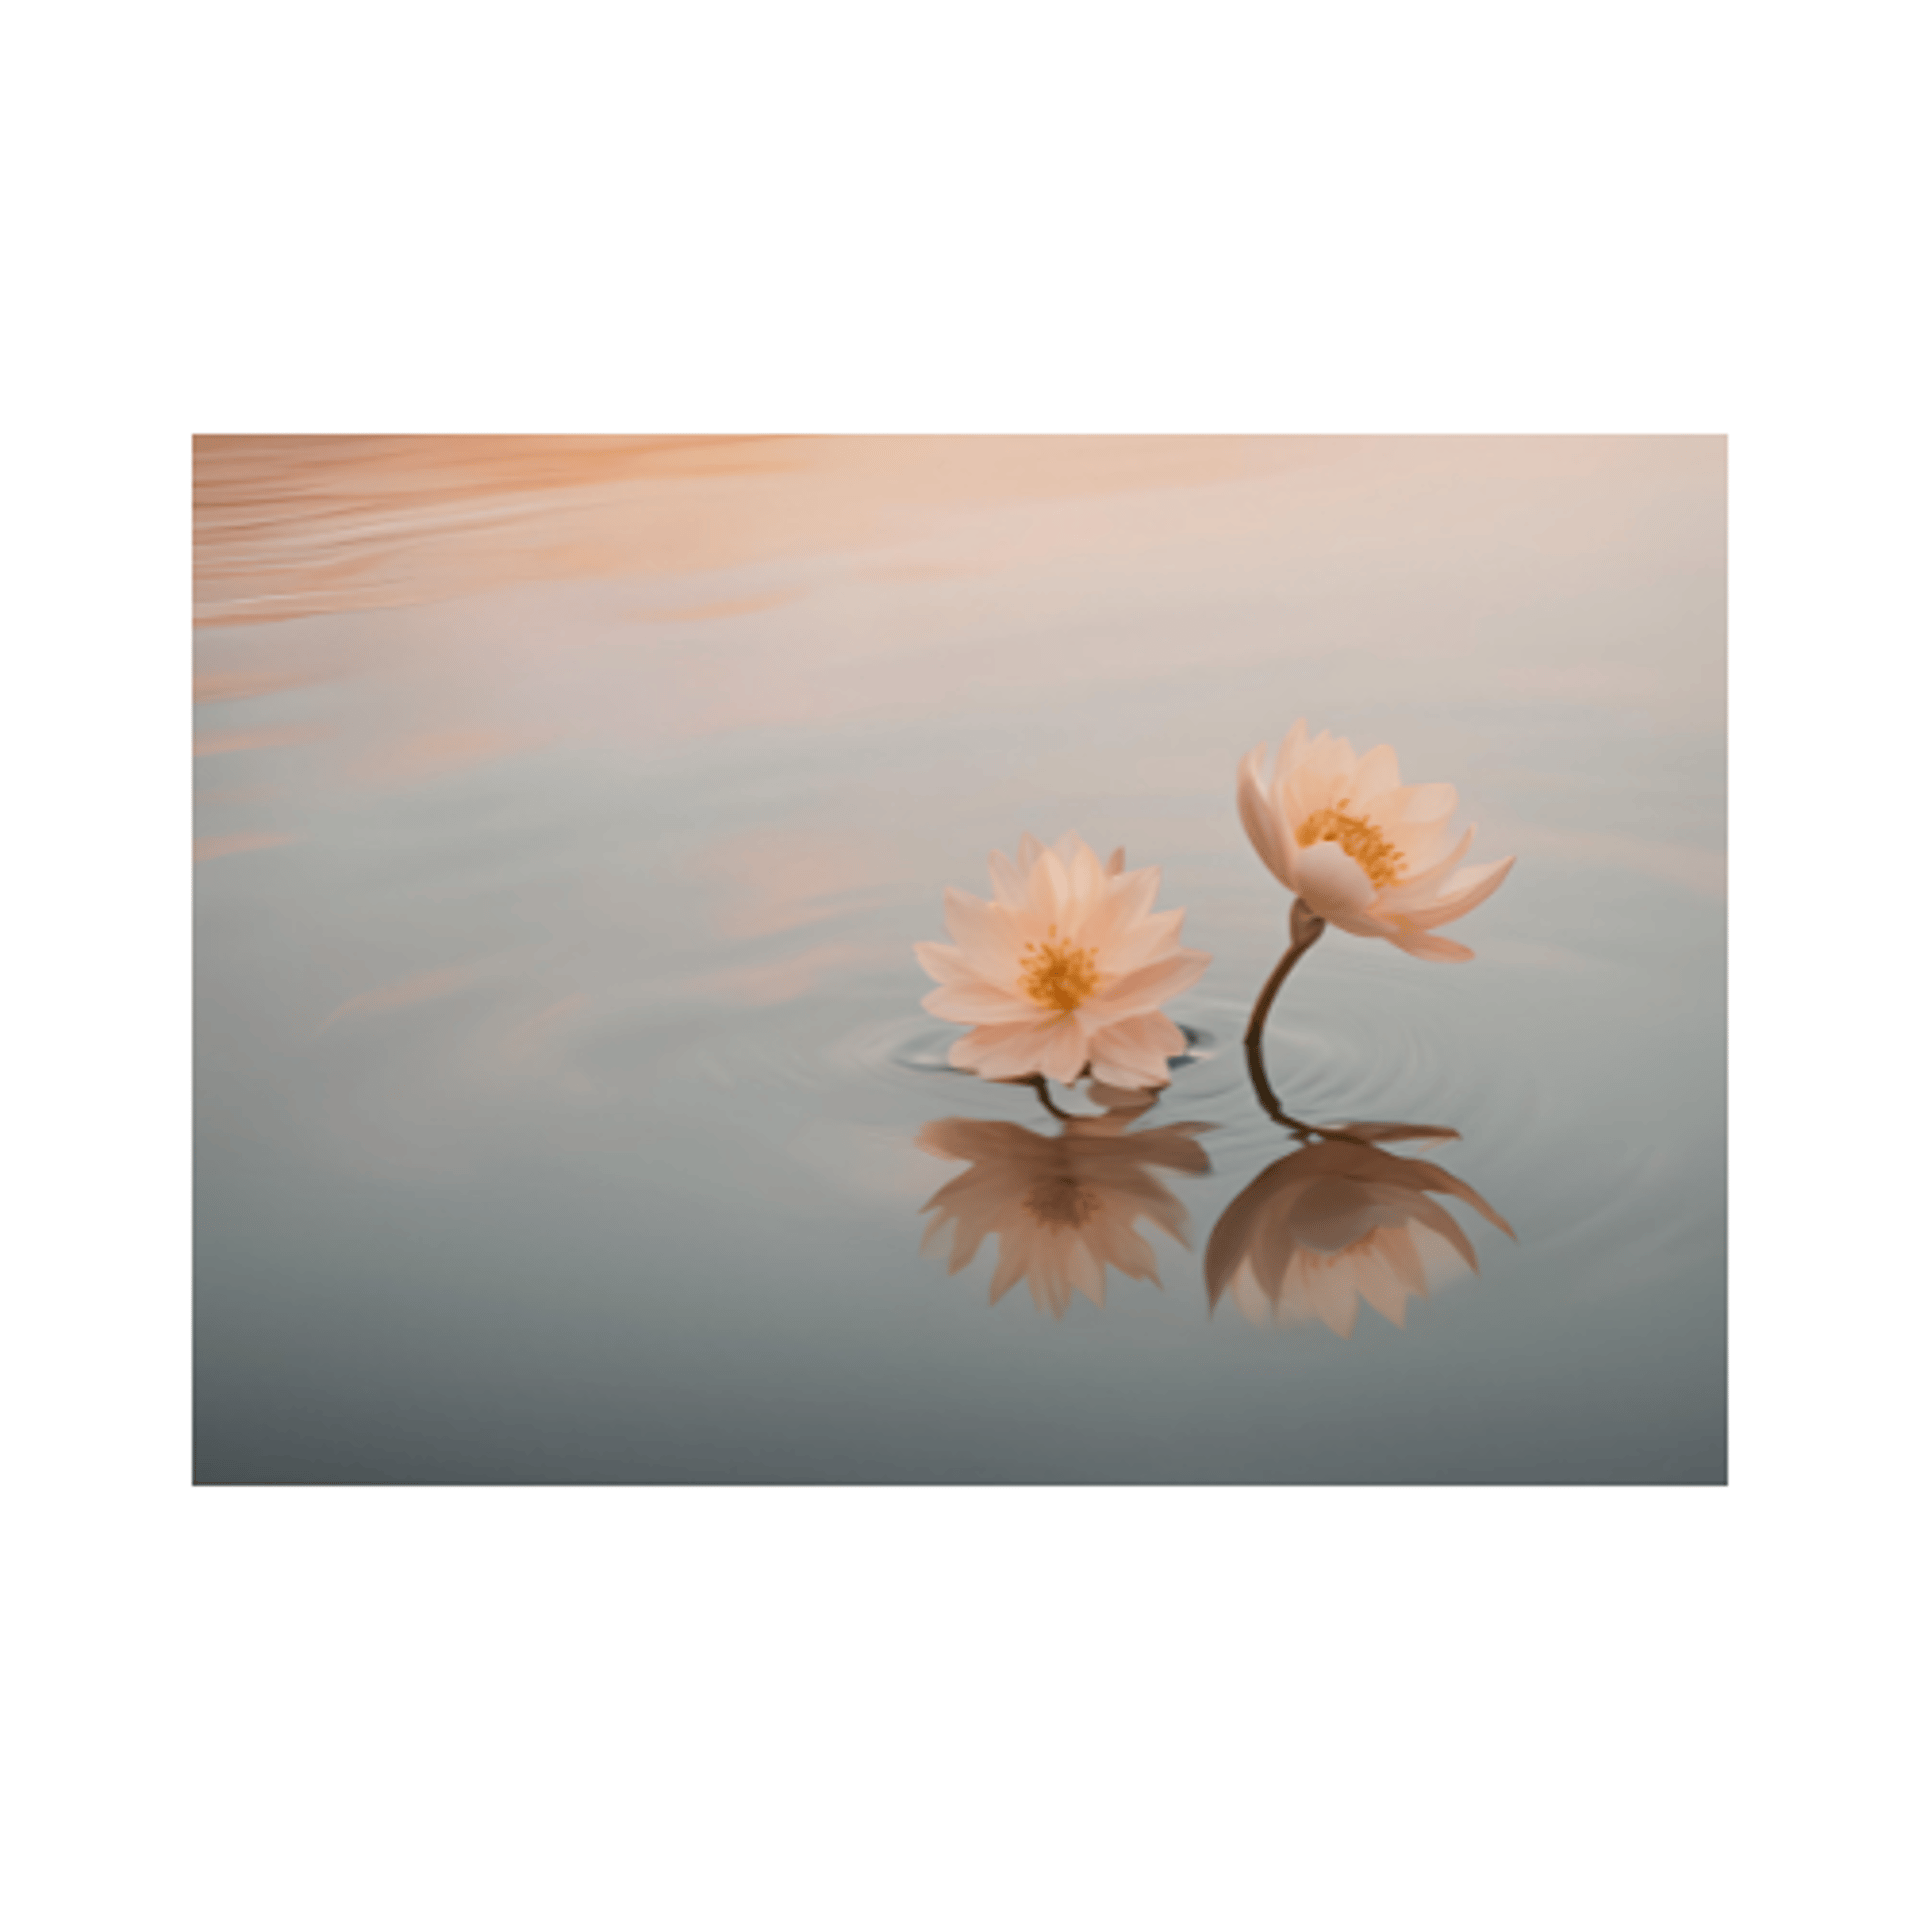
point(1063, 970)
point(1362, 851)
point(1358, 851)
point(1339, 1222)
point(1062, 1206)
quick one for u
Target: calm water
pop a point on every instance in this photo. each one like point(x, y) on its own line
point(566, 814)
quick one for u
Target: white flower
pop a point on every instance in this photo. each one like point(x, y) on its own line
point(1362, 851)
point(1064, 969)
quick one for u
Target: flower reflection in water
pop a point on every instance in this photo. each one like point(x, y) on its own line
point(1063, 1205)
point(1340, 1221)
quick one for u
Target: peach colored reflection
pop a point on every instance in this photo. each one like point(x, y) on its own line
point(410, 992)
point(217, 846)
point(286, 526)
point(1336, 1223)
point(778, 981)
point(784, 878)
point(1063, 1205)
point(252, 740)
point(724, 609)
point(422, 756)
point(746, 581)
point(245, 684)
point(537, 1047)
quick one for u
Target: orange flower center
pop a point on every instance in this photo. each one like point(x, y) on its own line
point(1360, 840)
point(1058, 974)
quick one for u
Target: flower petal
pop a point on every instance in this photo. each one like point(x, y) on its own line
point(1291, 749)
point(1049, 891)
point(1226, 1249)
point(1144, 989)
point(1427, 883)
point(977, 1003)
point(1403, 1256)
point(1153, 1030)
point(1419, 823)
point(1124, 1055)
point(1333, 883)
point(1427, 946)
point(1157, 937)
point(1415, 806)
point(948, 965)
point(1378, 1132)
point(1377, 774)
point(1116, 1078)
point(1124, 1247)
point(1321, 776)
point(1011, 1267)
point(1009, 882)
point(1123, 904)
point(1436, 1219)
point(1085, 1273)
point(986, 935)
point(1469, 887)
point(1273, 1255)
point(970, 1229)
point(1085, 879)
point(1003, 1052)
point(1066, 1052)
point(1262, 824)
point(1331, 1291)
point(1248, 1298)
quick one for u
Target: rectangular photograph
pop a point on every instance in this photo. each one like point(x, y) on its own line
point(960, 960)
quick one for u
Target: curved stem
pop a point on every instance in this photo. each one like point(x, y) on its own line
point(1269, 1100)
point(1038, 1082)
point(1306, 927)
point(1300, 1129)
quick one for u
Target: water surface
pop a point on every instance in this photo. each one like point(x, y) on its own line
point(565, 816)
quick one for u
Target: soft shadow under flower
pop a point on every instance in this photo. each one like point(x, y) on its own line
point(1063, 1205)
point(1341, 1221)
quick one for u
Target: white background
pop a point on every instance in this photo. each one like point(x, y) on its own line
point(1469, 218)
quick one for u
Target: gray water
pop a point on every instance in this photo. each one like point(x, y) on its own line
point(566, 816)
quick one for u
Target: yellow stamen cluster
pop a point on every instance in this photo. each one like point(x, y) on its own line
point(1058, 974)
point(1359, 839)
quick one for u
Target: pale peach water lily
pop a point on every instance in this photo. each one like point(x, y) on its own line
point(1339, 1222)
point(1064, 970)
point(1063, 1206)
point(1359, 850)
point(1367, 853)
